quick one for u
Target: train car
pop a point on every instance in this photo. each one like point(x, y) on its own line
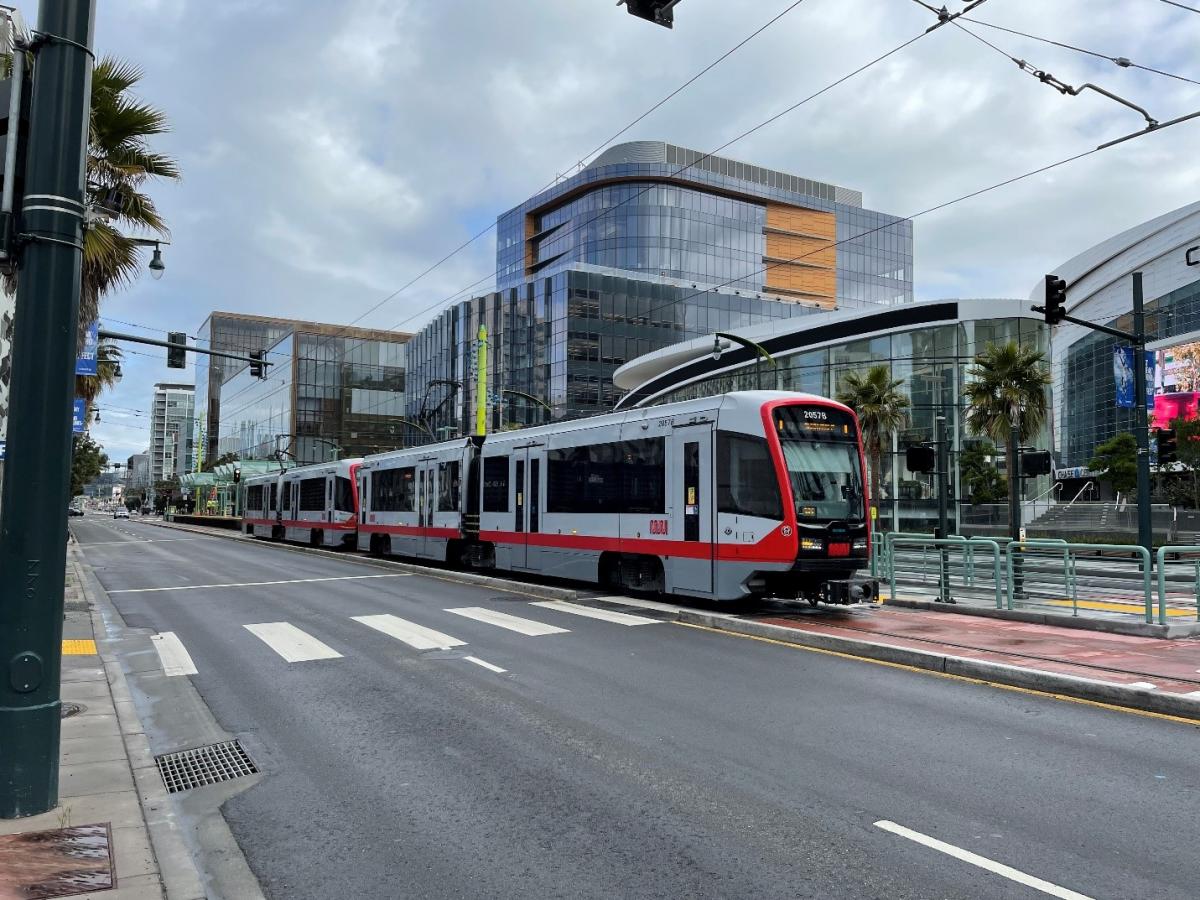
point(318, 504)
point(739, 495)
point(260, 506)
point(415, 502)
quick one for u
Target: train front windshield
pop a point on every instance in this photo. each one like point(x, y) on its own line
point(820, 450)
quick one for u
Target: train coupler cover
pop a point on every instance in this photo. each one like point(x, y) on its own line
point(846, 591)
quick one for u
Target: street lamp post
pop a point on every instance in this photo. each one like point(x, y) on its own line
point(759, 349)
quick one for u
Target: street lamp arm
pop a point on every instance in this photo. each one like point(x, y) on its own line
point(530, 397)
point(747, 343)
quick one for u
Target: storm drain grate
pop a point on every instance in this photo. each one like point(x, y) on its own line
point(189, 769)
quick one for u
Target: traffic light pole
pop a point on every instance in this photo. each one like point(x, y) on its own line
point(33, 529)
point(151, 342)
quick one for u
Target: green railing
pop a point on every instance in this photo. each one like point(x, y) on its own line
point(1052, 573)
point(956, 566)
point(1188, 559)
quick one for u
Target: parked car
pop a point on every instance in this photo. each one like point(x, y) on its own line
point(74, 511)
point(120, 513)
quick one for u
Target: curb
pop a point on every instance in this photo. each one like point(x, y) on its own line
point(1058, 620)
point(545, 591)
point(176, 868)
point(1000, 673)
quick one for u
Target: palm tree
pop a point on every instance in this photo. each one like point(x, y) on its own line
point(119, 163)
point(1007, 386)
point(881, 408)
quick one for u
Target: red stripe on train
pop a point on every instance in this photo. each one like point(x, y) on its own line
point(411, 530)
point(773, 548)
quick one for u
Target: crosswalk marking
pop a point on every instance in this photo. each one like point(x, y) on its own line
point(417, 636)
point(486, 665)
point(172, 654)
point(291, 643)
point(592, 612)
point(504, 620)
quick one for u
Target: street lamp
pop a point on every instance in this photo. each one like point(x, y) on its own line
point(749, 345)
point(157, 267)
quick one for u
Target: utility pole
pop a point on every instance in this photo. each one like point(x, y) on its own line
point(33, 533)
point(943, 501)
point(1141, 426)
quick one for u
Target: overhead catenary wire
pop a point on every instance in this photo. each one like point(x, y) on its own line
point(708, 68)
point(1182, 6)
point(1121, 61)
point(608, 211)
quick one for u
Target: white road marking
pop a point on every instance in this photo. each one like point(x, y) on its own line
point(142, 541)
point(504, 620)
point(172, 654)
point(486, 665)
point(592, 612)
point(411, 633)
point(291, 643)
point(982, 862)
point(1142, 685)
point(651, 604)
point(197, 587)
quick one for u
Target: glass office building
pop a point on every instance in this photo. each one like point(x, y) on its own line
point(649, 245)
point(927, 346)
point(172, 431)
point(332, 393)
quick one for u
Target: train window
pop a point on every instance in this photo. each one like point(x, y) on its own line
point(746, 482)
point(495, 484)
point(312, 494)
point(254, 497)
point(644, 477)
point(392, 490)
point(274, 496)
point(448, 486)
point(566, 477)
point(343, 494)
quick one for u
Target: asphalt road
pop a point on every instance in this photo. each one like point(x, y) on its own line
point(652, 760)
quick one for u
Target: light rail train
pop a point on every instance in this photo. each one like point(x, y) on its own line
point(755, 493)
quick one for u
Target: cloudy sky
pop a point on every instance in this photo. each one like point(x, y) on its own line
point(332, 151)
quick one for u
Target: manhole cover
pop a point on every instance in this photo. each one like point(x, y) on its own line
point(72, 709)
point(189, 769)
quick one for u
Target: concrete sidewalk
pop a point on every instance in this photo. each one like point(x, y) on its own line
point(107, 777)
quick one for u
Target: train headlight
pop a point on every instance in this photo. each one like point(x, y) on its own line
point(860, 544)
point(811, 544)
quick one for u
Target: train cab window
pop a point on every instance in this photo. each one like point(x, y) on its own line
point(448, 487)
point(746, 482)
point(343, 497)
point(495, 484)
point(312, 494)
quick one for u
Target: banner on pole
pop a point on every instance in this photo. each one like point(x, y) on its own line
point(79, 416)
point(86, 363)
point(1123, 376)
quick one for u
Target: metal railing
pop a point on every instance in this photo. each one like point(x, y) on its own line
point(1059, 574)
point(1178, 579)
point(956, 568)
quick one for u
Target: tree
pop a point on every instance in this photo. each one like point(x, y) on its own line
point(1117, 459)
point(87, 462)
point(220, 461)
point(881, 409)
point(982, 483)
point(119, 159)
point(1006, 386)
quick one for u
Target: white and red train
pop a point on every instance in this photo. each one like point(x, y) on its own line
point(744, 494)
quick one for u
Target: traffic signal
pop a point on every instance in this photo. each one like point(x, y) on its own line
point(1037, 462)
point(177, 352)
point(256, 366)
point(1056, 299)
point(661, 12)
point(1168, 446)
point(921, 458)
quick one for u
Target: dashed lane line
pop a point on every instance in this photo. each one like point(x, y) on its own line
point(290, 642)
point(416, 636)
point(486, 665)
point(595, 612)
point(242, 584)
point(503, 620)
point(172, 654)
point(982, 862)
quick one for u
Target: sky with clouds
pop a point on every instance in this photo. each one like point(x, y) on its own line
point(333, 151)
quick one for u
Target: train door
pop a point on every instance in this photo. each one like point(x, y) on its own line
point(329, 495)
point(691, 503)
point(293, 504)
point(426, 496)
point(527, 472)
